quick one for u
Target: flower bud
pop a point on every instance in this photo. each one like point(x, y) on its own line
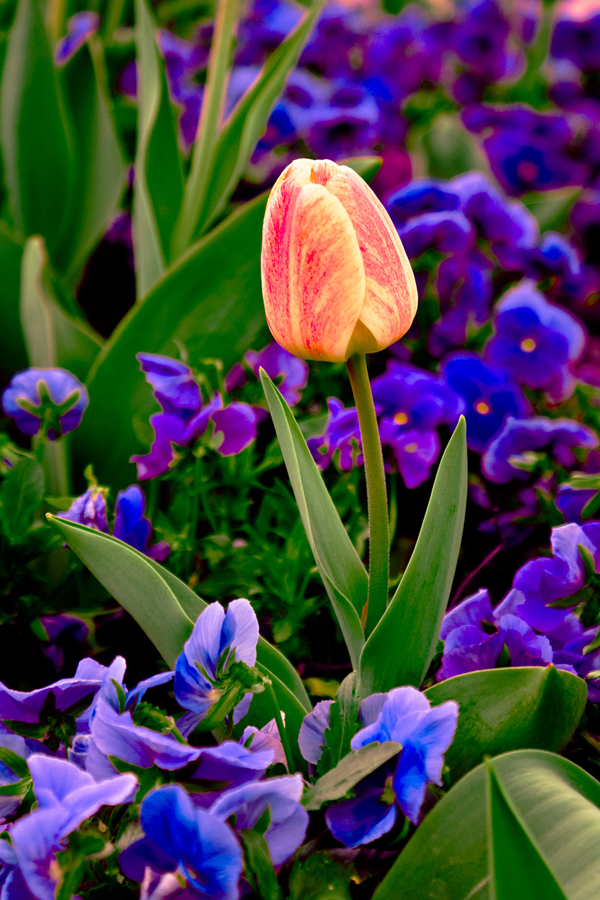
point(336, 279)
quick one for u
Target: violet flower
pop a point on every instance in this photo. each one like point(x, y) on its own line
point(79, 28)
point(53, 397)
point(489, 396)
point(403, 715)
point(66, 797)
point(557, 437)
point(342, 433)
point(576, 35)
point(311, 738)
point(536, 342)
point(209, 666)
point(288, 820)
point(278, 363)
point(186, 852)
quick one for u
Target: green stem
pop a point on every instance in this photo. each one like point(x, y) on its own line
point(209, 126)
point(379, 549)
point(281, 727)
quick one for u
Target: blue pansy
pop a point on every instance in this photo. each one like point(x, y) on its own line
point(89, 509)
point(79, 28)
point(446, 232)
point(52, 396)
point(557, 437)
point(288, 820)
point(403, 715)
point(218, 640)
point(422, 195)
point(489, 396)
point(311, 738)
point(342, 433)
point(536, 342)
point(183, 847)
point(576, 35)
point(66, 797)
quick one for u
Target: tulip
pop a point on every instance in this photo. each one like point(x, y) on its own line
point(336, 279)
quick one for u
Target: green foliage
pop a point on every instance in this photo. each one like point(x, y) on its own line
point(21, 494)
point(348, 772)
point(340, 567)
point(522, 825)
point(402, 645)
point(318, 877)
point(343, 725)
point(510, 709)
point(258, 867)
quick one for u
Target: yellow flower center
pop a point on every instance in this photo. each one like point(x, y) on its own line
point(411, 448)
point(528, 345)
point(482, 408)
point(401, 418)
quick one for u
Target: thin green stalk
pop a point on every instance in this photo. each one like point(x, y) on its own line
point(209, 126)
point(379, 544)
point(281, 727)
point(112, 19)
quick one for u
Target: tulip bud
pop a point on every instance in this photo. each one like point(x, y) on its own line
point(336, 279)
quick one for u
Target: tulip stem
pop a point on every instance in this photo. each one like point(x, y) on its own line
point(379, 549)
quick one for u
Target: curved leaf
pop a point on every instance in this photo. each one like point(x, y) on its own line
point(13, 354)
point(510, 709)
point(342, 571)
point(163, 606)
point(210, 301)
point(521, 826)
point(348, 772)
point(403, 642)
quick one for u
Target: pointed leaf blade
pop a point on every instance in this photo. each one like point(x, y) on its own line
point(403, 643)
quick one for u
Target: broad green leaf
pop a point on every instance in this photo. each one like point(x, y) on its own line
point(210, 301)
point(102, 168)
point(38, 150)
point(21, 494)
point(365, 166)
point(158, 188)
point(52, 337)
point(247, 123)
point(552, 208)
point(319, 877)
point(14, 762)
point(13, 354)
point(343, 725)
point(403, 643)
point(258, 866)
point(159, 602)
point(510, 709)
point(521, 826)
point(348, 772)
point(341, 569)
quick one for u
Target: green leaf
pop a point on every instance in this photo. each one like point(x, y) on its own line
point(21, 495)
point(348, 772)
point(158, 189)
point(403, 643)
point(247, 123)
point(13, 355)
point(258, 866)
point(53, 338)
point(521, 826)
point(341, 569)
point(39, 154)
point(552, 208)
point(510, 709)
point(365, 166)
point(210, 301)
point(102, 168)
point(14, 762)
point(343, 725)
point(319, 877)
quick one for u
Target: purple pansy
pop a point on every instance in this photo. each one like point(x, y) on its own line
point(544, 580)
point(571, 501)
point(576, 35)
point(66, 797)
point(53, 396)
point(279, 364)
point(342, 433)
point(235, 427)
point(131, 525)
point(464, 287)
point(403, 715)
point(475, 638)
point(186, 852)
point(414, 451)
point(265, 738)
point(536, 342)
point(489, 397)
point(447, 232)
point(281, 796)
point(311, 738)
point(557, 437)
point(219, 639)
point(415, 398)
point(231, 765)
point(79, 28)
